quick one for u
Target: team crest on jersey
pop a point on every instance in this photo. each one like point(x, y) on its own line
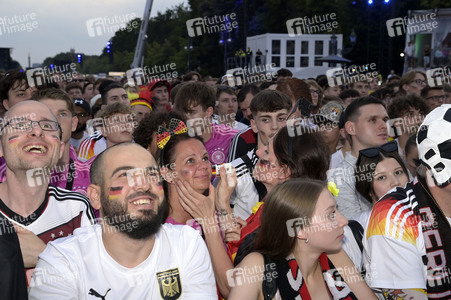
point(169, 284)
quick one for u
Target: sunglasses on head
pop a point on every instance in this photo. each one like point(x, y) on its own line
point(375, 151)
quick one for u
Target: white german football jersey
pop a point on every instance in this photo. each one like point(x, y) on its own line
point(79, 267)
point(61, 212)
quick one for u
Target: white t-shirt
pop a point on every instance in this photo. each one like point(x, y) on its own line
point(79, 267)
point(76, 142)
point(336, 159)
point(61, 212)
point(350, 245)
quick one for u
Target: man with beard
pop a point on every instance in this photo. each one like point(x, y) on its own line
point(131, 255)
point(83, 113)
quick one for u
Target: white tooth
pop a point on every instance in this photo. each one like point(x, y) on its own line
point(141, 202)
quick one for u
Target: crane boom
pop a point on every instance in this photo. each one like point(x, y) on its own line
point(140, 45)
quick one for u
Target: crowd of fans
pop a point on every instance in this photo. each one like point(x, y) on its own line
point(212, 188)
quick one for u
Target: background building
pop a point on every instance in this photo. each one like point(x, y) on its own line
point(298, 53)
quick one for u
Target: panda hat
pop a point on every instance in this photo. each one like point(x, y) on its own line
point(434, 144)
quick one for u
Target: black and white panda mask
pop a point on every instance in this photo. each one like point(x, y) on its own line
point(434, 144)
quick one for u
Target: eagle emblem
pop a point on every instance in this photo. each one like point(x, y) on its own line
point(169, 284)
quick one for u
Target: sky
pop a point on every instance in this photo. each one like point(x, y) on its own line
point(47, 27)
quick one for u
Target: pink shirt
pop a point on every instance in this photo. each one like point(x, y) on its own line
point(80, 171)
point(218, 144)
point(192, 223)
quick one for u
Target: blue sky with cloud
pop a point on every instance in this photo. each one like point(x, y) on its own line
point(60, 25)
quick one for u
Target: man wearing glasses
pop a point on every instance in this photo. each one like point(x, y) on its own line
point(31, 144)
point(434, 96)
point(83, 113)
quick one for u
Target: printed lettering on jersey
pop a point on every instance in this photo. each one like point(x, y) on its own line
point(169, 284)
point(438, 273)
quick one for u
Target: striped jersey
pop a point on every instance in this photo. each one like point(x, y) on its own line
point(407, 243)
point(243, 142)
point(60, 213)
point(92, 146)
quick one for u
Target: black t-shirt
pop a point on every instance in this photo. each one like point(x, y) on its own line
point(13, 284)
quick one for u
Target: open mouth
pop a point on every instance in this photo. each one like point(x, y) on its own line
point(35, 149)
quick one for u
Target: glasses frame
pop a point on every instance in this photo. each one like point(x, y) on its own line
point(420, 82)
point(78, 115)
point(30, 126)
point(437, 98)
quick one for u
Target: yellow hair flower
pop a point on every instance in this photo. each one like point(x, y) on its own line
point(256, 207)
point(332, 187)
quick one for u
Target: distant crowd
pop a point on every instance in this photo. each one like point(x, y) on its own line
point(214, 188)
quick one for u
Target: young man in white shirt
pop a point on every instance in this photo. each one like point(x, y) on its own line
point(95, 144)
point(365, 123)
point(130, 255)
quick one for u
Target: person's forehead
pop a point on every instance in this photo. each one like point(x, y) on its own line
point(120, 116)
point(140, 107)
point(325, 200)
point(20, 84)
point(261, 114)
point(419, 76)
point(249, 97)
point(117, 91)
point(79, 109)
point(189, 144)
point(128, 156)
point(373, 109)
point(226, 95)
point(389, 163)
point(194, 106)
point(55, 103)
point(436, 92)
point(30, 110)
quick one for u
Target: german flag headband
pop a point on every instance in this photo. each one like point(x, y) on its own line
point(176, 126)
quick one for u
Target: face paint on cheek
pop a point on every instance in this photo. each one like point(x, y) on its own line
point(115, 192)
point(13, 140)
point(55, 138)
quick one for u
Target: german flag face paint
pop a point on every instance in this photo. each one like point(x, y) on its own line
point(115, 192)
point(13, 140)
